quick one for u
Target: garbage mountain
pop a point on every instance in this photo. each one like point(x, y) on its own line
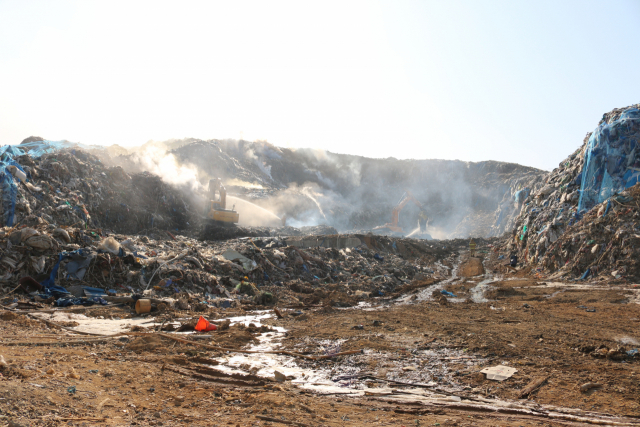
point(581, 220)
point(350, 193)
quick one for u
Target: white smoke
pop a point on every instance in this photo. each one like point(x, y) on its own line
point(157, 161)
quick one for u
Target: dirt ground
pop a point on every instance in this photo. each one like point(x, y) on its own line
point(565, 335)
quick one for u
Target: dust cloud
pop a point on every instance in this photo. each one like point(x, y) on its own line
point(316, 187)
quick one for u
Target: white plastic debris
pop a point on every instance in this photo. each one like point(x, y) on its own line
point(499, 373)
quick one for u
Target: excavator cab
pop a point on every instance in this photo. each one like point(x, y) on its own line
point(218, 211)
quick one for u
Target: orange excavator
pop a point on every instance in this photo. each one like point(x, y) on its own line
point(393, 225)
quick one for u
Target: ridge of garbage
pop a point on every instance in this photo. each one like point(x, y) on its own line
point(581, 221)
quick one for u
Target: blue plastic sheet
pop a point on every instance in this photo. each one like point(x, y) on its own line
point(9, 186)
point(67, 302)
point(521, 195)
point(612, 159)
point(37, 149)
point(49, 284)
point(586, 274)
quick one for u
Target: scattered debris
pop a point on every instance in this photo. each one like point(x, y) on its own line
point(499, 373)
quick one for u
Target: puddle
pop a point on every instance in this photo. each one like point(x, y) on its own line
point(254, 318)
point(477, 292)
point(95, 325)
point(354, 374)
point(425, 294)
point(634, 296)
point(264, 365)
point(426, 367)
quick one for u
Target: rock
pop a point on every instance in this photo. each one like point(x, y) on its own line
point(588, 386)
point(472, 267)
point(279, 376)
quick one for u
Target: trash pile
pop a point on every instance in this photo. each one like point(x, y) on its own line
point(48, 182)
point(581, 219)
point(605, 242)
point(80, 233)
point(347, 192)
point(70, 266)
point(546, 208)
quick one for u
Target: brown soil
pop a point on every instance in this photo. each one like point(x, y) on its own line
point(569, 335)
point(471, 268)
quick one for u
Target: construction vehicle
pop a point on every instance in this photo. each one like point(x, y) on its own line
point(393, 225)
point(217, 210)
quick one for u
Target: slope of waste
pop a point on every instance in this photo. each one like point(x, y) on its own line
point(581, 221)
point(44, 185)
point(350, 193)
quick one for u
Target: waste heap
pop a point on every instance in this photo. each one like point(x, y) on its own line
point(49, 182)
point(605, 242)
point(79, 233)
point(66, 266)
point(347, 192)
point(564, 217)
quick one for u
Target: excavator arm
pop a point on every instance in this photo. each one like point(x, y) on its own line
point(395, 214)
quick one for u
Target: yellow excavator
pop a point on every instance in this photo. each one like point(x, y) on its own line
point(393, 225)
point(217, 210)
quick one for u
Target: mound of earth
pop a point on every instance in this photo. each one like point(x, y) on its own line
point(471, 268)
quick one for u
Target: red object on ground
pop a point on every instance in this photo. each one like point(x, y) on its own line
point(203, 325)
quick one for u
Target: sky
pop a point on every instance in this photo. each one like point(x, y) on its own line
point(471, 80)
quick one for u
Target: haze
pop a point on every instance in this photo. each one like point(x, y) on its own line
point(495, 80)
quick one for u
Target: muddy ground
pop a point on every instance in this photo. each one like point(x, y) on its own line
point(416, 361)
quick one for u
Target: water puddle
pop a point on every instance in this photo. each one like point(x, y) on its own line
point(97, 325)
point(634, 296)
point(350, 375)
point(425, 294)
point(477, 292)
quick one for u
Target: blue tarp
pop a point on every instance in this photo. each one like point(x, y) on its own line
point(37, 149)
point(9, 186)
point(49, 284)
point(612, 159)
point(521, 195)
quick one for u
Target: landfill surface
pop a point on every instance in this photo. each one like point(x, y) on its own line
point(121, 305)
point(349, 193)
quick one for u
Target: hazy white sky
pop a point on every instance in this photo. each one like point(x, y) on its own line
point(472, 80)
